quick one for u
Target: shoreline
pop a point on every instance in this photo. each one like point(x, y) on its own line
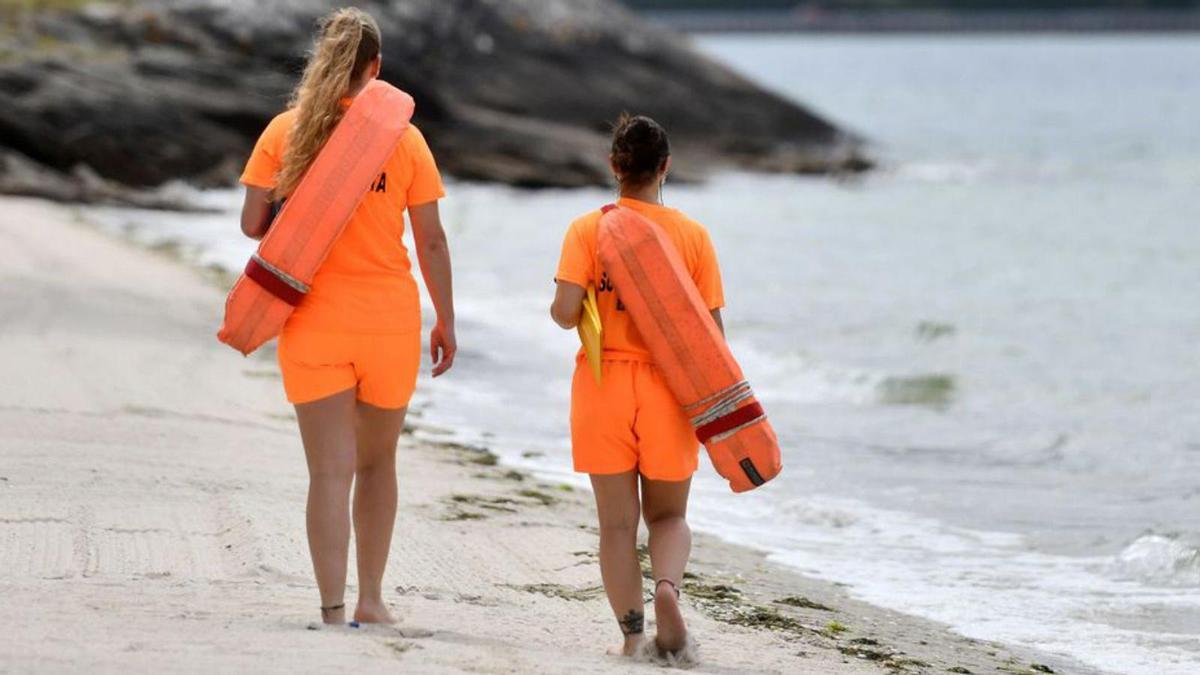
point(154, 507)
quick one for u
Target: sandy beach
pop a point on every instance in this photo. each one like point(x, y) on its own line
point(151, 514)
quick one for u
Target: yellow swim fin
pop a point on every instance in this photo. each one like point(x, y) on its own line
point(591, 332)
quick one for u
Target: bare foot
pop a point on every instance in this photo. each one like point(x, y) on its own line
point(630, 647)
point(672, 633)
point(334, 616)
point(372, 611)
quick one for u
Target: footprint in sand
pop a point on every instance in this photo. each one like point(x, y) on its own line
point(407, 632)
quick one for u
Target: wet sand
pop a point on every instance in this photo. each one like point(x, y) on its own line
point(152, 490)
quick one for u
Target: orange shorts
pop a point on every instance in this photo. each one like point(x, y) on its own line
point(382, 368)
point(630, 421)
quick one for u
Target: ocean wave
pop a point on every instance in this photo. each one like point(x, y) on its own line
point(934, 390)
point(1159, 559)
point(798, 378)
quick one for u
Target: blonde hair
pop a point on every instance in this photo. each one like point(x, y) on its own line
point(348, 39)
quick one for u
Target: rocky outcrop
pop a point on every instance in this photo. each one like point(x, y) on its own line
point(517, 91)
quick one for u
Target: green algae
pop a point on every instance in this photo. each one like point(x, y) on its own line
point(539, 496)
point(933, 390)
point(485, 458)
point(721, 592)
point(492, 503)
point(463, 515)
point(726, 603)
point(768, 618)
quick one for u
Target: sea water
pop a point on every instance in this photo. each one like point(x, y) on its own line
point(983, 360)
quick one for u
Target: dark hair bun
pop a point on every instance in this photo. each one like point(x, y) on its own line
point(639, 149)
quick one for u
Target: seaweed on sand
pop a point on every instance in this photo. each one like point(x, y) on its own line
point(727, 604)
point(560, 591)
point(835, 628)
point(468, 454)
point(865, 653)
point(492, 503)
point(538, 496)
point(801, 601)
point(463, 515)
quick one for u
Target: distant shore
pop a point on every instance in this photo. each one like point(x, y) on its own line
point(927, 21)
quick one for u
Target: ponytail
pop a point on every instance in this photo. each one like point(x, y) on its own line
point(347, 41)
point(639, 149)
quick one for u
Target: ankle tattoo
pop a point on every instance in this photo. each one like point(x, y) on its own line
point(632, 623)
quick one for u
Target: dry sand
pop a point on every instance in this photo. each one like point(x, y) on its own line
point(151, 515)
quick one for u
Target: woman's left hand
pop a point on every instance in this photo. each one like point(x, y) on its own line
point(433, 253)
point(442, 347)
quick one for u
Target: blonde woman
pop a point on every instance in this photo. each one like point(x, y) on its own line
point(350, 352)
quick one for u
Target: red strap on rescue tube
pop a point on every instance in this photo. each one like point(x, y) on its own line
point(729, 422)
point(273, 284)
point(607, 207)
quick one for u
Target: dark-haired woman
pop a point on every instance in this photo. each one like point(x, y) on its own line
point(350, 353)
point(628, 432)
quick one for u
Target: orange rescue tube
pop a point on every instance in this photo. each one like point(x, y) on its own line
point(277, 277)
point(688, 348)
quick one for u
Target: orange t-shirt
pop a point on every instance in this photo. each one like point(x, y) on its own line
point(580, 265)
point(366, 283)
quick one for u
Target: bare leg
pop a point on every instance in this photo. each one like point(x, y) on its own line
point(327, 430)
point(665, 506)
point(375, 505)
point(617, 507)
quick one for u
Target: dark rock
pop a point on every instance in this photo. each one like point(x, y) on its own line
point(21, 176)
point(517, 91)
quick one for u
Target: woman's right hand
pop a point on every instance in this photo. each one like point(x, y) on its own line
point(568, 304)
point(256, 212)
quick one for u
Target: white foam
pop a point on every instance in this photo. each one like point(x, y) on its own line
point(987, 585)
point(1159, 559)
